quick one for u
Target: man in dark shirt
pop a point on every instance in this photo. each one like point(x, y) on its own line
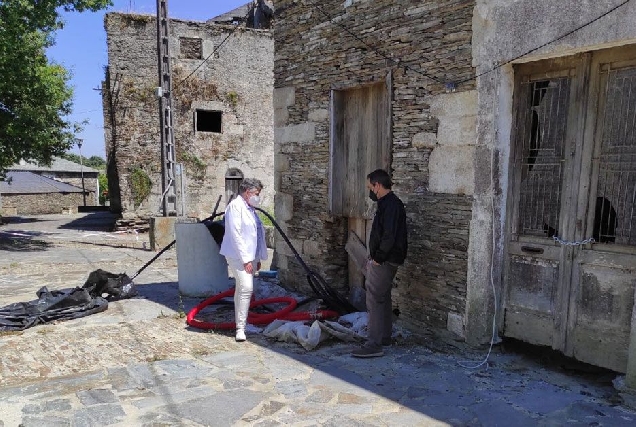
point(387, 251)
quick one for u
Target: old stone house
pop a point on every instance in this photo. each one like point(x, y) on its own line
point(32, 189)
point(222, 80)
point(496, 148)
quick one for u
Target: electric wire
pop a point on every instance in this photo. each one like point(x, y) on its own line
point(450, 84)
point(580, 27)
point(213, 52)
point(374, 48)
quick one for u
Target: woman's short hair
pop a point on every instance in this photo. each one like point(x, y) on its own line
point(250, 184)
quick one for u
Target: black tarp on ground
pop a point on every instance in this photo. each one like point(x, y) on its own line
point(66, 304)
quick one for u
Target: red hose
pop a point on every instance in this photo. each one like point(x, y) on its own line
point(257, 318)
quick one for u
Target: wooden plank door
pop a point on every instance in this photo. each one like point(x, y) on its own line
point(360, 143)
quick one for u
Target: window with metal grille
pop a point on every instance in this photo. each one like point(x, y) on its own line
point(574, 151)
point(541, 141)
point(615, 216)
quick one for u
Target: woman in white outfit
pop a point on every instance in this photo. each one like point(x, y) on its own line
point(244, 247)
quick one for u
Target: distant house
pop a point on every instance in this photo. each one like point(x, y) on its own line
point(27, 193)
point(31, 189)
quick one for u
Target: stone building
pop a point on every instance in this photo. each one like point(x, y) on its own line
point(32, 196)
point(28, 193)
point(222, 112)
point(491, 168)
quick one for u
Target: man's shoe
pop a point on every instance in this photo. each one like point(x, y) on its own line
point(364, 352)
point(387, 342)
point(240, 336)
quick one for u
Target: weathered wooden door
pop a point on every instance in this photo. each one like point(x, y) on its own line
point(573, 179)
point(360, 143)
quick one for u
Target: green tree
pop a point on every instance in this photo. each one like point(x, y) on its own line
point(35, 96)
point(103, 188)
point(94, 162)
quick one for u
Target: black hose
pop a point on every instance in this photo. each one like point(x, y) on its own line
point(320, 287)
point(332, 298)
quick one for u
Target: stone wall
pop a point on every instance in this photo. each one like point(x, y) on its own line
point(90, 185)
point(433, 137)
point(40, 204)
point(236, 80)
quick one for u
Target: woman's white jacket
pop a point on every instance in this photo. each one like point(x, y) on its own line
point(243, 233)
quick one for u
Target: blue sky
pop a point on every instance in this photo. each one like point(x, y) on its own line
point(81, 47)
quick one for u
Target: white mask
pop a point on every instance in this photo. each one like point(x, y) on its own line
point(254, 201)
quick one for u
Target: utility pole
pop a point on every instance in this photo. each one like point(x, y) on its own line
point(79, 146)
point(164, 92)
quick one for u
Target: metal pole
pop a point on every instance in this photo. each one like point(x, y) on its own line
point(168, 184)
point(79, 145)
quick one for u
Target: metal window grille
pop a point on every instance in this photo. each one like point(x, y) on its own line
point(540, 154)
point(615, 216)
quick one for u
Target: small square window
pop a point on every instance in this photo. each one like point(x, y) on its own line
point(190, 48)
point(208, 121)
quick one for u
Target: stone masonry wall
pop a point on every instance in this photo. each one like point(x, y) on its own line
point(41, 204)
point(433, 137)
point(237, 81)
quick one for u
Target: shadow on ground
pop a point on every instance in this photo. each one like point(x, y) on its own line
point(23, 241)
point(94, 221)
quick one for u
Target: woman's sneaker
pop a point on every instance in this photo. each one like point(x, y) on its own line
point(240, 336)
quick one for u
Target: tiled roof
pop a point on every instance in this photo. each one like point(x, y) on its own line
point(57, 165)
point(237, 14)
point(23, 182)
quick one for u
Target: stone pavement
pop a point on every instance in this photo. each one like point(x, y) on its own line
point(138, 364)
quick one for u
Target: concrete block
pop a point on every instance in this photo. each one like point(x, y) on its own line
point(457, 130)
point(455, 324)
point(318, 115)
point(456, 104)
point(281, 116)
point(202, 271)
point(281, 163)
point(282, 262)
point(305, 132)
point(161, 232)
point(283, 248)
point(457, 115)
point(424, 140)
point(284, 97)
point(283, 207)
point(451, 170)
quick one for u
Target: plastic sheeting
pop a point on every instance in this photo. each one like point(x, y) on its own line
point(66, 304)
point(349, 328)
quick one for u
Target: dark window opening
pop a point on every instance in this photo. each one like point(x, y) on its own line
point(208, 121)
point(190, 48)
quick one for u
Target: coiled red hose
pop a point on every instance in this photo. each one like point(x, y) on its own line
point(257, 318)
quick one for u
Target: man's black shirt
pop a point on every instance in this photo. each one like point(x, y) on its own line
point(388, 241)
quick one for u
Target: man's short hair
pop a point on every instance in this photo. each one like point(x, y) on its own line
point(250, 184)
point(380, 176)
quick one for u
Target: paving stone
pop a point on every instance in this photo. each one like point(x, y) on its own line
point(58, 405)
point(96, 397)
point(98, 416)
point(49, 421)
point(131, 365)
point(222, 409)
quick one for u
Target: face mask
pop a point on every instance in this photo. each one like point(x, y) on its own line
point(254, 201)
point(373, 196)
